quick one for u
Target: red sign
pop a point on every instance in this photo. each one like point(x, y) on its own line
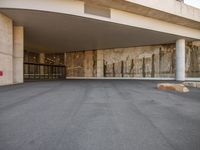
point(1, 73)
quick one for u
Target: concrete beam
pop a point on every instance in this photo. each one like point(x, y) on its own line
point(189, 27)
point(171, 10)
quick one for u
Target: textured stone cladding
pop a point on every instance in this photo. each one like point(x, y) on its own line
point(147, 61)
point(81, 64)
point(193, 59)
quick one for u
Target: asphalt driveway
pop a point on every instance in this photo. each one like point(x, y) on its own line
point(98, 115)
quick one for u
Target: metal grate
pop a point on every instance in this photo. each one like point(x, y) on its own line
point(34, 71)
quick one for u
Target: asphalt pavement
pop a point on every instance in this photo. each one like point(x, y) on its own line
point(98, 115)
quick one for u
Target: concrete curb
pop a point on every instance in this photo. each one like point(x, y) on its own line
point(192, 84)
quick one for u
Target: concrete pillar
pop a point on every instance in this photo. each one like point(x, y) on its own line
point(42, 61)
point(100, 66)
point(57, 60)
point(6, 50)
point(65, 59)
point(88, 64)
point(18, 55)
point(180, 60)
point(65, 63)
point(42, 58)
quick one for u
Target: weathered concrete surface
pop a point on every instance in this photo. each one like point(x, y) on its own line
point(81, 64)
point(75, 64)
point(173, 87)
point(11, 52)
point(193, 59)
point(18, 54)
point(90, 64)
point(96, 115)
point(6, 50)
point(172, 11)
point(147, 61)
point(100, 64)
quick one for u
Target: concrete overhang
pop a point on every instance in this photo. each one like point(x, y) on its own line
point(173, 11)
point(62, 25)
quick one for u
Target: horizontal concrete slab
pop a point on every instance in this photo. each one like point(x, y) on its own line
point(55, 32)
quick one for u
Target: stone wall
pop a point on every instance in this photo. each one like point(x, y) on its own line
point(148, 61)
point(81, 64)
point(138, 62)
point(193, 59)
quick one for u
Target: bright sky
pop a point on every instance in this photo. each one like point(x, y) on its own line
point(195, 3)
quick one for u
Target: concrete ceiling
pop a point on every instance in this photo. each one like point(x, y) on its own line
point(55, 32)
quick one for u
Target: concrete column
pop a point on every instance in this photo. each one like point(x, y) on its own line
point(57, 60)
point(65, 59)
point(88, 64)
point(180, 60)
point(100, 66)
point(6, 50)
point(18, 55)
point(42, 58)
point(42, 61)
point(65, 63)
